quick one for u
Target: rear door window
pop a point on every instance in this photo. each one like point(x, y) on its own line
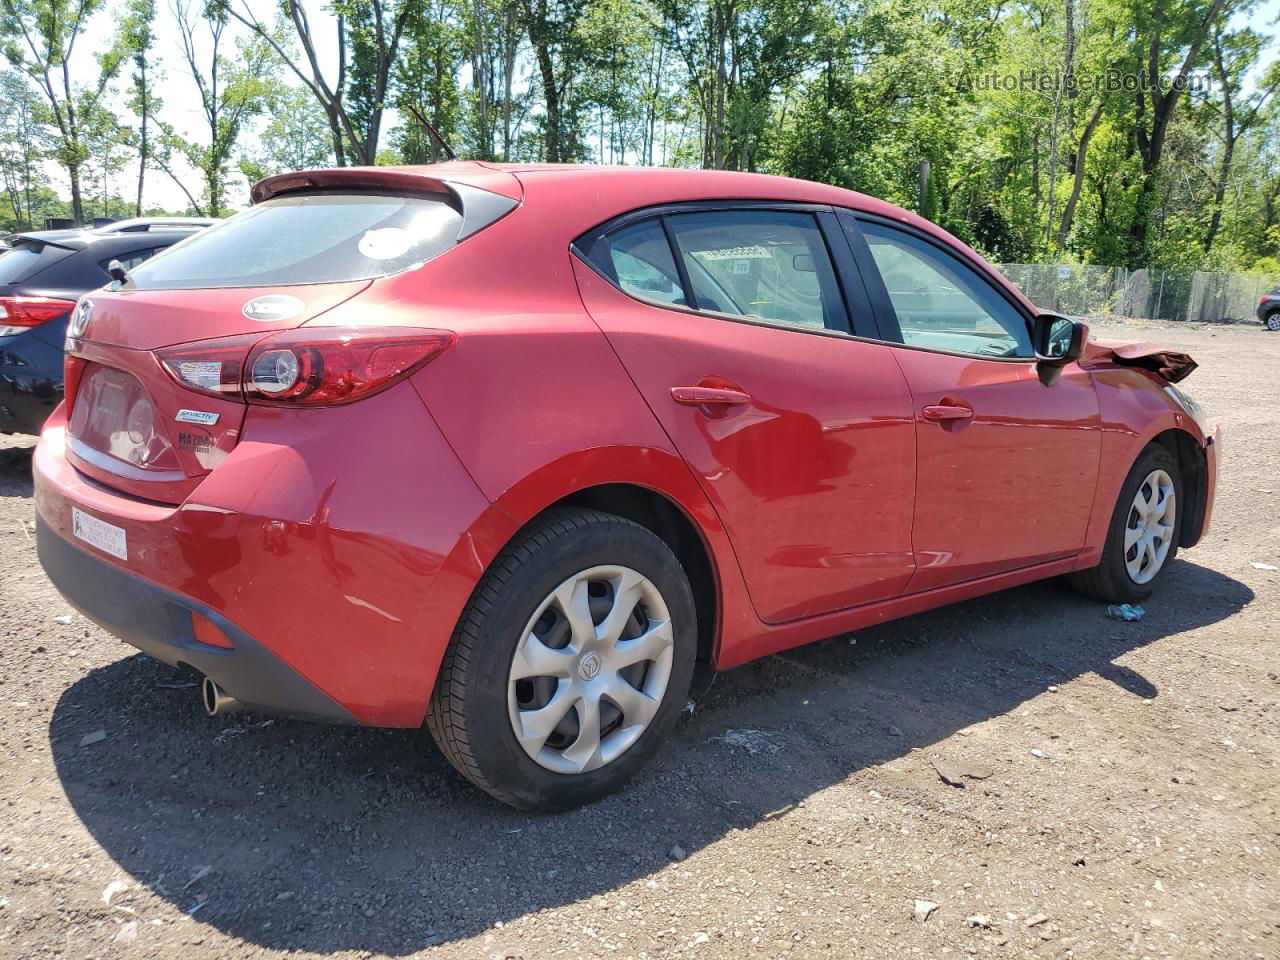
point(27, 259)
point(765, 264)
point(322, 237)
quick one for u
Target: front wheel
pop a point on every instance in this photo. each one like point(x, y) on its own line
point(1143, 537)
point(570, 664)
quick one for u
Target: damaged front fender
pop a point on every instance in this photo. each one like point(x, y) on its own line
point(1172, 366)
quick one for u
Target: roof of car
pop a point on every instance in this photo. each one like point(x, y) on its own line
point(639, 186)
point(77, 238)
point(584, 196)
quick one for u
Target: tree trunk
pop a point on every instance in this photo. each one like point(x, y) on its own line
point(1228, 143)
point(1082, 149)
point(142, 145)
point(1069, 49)
point(1163, 106)
point(508, 80)
point(77, 201)
point(551, 97)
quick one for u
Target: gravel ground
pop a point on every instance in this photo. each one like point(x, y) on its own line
point(1131, 809)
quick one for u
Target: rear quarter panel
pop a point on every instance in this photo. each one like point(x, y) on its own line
point(532, 398)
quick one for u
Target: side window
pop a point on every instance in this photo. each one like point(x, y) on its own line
point(642, 262)
point(940, 302)
point(766, 264)
point(131, 260)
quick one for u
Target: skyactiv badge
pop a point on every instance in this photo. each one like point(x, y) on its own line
point(197, 416)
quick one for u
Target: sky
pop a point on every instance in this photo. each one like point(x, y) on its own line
point(181, 98)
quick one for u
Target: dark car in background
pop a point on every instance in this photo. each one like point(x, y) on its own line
point(1269, 308)
point(42, 275)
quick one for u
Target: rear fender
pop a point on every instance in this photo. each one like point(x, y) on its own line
point(664, 473)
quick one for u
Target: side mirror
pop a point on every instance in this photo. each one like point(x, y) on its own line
point(1057, 341)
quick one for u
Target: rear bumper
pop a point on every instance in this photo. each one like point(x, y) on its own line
point(158, 622)
point(336, 549)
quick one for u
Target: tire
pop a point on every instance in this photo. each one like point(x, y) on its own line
point(1272, 322)
point(570, 557)
point(1113, 579)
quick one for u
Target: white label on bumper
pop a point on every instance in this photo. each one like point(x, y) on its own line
point(98, 533)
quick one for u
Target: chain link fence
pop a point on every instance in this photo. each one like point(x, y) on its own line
point(1148, 294)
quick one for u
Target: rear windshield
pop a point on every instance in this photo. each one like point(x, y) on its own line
point(28, 258)
point(309, 238)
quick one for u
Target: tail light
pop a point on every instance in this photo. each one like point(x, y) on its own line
point(313, 367)
point(22, 313)
point(72, 371)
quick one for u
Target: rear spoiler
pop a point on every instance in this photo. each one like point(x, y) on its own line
point(1172, 366)
point(49, 238)
point(479, 207)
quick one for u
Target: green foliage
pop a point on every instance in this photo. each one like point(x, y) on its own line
point(426, 79)
point(233, 89)
point(296, 138)
point(24, 144)
point(1035, 130)
point(38, 39)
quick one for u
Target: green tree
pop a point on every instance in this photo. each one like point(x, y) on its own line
point(233, 89)
point(135, 40)
point(493, 109)
point(23, 139)
point(297, 138)
point(558, 53)
point(427, 79)
point(368, 34)
point(40, 37)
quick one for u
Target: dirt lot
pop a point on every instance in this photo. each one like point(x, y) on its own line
point(1132, 811)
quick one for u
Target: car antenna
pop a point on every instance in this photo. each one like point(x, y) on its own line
point(432, 132)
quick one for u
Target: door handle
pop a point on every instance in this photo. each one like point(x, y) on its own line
point(942, 412)
point(708, 397)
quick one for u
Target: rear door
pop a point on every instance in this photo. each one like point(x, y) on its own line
point(1006, 466)
point(732, 323)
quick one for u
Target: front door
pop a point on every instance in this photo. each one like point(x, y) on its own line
point(1005, 466)
point(801, 436)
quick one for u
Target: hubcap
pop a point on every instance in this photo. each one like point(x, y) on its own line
point(1149, 531)
point(591, 669)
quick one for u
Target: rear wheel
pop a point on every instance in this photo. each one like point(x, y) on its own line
point(1143, 537)
point(570, 664)
point(1273, 321)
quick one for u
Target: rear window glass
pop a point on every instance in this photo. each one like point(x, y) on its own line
point(309, 238)
point(27, 258)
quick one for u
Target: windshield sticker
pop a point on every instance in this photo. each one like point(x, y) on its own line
point(274, 306)
point(385, 244)
point(752, 252)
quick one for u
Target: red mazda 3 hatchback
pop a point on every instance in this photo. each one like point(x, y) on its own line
point(520, 451)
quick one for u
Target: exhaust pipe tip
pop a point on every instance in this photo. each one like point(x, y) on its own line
point(217, 702)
